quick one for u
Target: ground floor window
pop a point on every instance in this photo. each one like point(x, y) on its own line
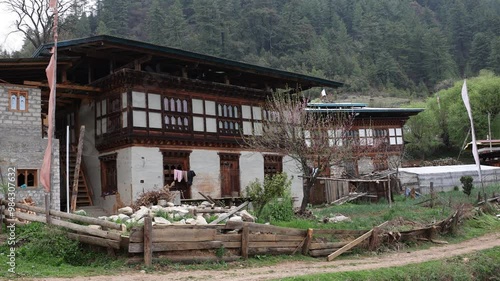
point(27, 178)
point(109, 176)
point(273, 164)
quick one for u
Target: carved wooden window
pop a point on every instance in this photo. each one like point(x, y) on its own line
point(366, 137)
point(18, 100)
point(109, 177)
point(27, 178)
point(109, 116)
point(395, 136)
point(273, 164)
point(229, 120)
point(176, 116)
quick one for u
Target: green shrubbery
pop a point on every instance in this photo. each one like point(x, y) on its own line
point(272, 199)
point(50, 245)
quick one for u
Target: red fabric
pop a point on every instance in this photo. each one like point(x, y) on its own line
point(47, 159)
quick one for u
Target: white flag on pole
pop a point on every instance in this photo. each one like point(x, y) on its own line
point(323, 93)
point(465, 98)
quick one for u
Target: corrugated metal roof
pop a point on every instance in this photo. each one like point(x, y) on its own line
point(446, 169)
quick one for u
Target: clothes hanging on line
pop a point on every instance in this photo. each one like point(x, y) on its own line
point(190, 175)
point(178, 175)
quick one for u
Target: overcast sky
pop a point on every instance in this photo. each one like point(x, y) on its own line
point(13, 41)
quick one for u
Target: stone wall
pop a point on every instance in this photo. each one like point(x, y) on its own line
point(22, 145)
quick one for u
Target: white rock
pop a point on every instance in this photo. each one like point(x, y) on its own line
point(246, 216)
point(126, 210)
point(142, 212)
point(156, 208)
point(161, 220)
point(141, 221)
point(183, 221)
point(190, 221)
point(338, 218)
point(170, 204)
point(236, 218)
point(200, 220)
point(123, 217)
point(103, 218)
point(80, 212)
point(94, 226)
point(114, 217)
point(205, 204)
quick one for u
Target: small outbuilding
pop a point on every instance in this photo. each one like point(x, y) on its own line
point(444, 178)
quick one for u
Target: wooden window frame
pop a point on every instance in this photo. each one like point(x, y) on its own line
point(273, 164)
point(25, 172)
point(185, 113)
point(108, 163)
point(18, 94)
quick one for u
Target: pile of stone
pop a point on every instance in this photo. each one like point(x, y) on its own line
point(177, 215)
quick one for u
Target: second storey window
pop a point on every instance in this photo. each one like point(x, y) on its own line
point(228, 119)
point(395, 136)
point(18, 101)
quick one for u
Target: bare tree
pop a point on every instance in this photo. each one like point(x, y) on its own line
point(35, 20)
point(315, 139)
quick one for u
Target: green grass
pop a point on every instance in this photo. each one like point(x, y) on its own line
point(483, 265)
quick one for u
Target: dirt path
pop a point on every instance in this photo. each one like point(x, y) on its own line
point(289, 269)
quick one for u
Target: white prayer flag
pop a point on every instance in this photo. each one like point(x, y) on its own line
point(465, 98)
point(323, 93)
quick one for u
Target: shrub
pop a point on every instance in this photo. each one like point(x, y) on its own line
point(273, 187)
point(467, 184)
point(279, 209)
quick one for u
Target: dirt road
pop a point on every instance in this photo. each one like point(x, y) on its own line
point(289, 269)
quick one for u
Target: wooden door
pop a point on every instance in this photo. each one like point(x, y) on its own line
point(230, 175)
point(176, 160)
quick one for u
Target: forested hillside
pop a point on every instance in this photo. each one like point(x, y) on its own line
point(399, 46)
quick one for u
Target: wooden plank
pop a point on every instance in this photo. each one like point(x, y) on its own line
point(76, 172)
point(223, 217)
point(244, 242)
point(136, 235)
point(275, 237)
point(64, 86)
point(183, 235)
point(307, 242)
point(232, 244)
point(207, 198)
point(284, 244)
point(327, 245)
point(73, 226)
point(264, 228)
point(84, 219)
point(148, 241)
point(342, 232)
point(270, 251)
point(181, 246)
point(87, 239)
point(185, 259)
point(229, 237)
point(352, 244)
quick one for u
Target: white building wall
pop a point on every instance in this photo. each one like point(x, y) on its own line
point(146, 170)
point(206, 165)
point(290, 167)
point(251, 168)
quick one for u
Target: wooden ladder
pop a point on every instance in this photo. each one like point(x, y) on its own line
point(84, 197)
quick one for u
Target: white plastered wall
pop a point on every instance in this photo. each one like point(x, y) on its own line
point(146, 169)
point(290, 167)
point(206, 165)
point(251, 168)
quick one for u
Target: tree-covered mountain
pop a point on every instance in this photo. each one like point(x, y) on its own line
point(406, 46)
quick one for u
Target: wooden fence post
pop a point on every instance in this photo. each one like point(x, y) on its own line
point(432, 194)
point(307, 242)
point(47, 208)
point(148, 241)
point(244, 241)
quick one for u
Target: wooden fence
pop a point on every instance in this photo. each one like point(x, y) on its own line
point(109, 235)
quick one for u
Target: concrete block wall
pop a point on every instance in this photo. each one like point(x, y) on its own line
point(22, 145)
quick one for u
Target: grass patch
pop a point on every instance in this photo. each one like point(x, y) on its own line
point(483, 265)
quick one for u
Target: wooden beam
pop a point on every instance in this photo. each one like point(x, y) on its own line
point(148, 241)
point(353, 243)
point(223, 217)
point(108, 243)
point(64, 86)
point(244, 242)
point(307, 242)
point(76, 175)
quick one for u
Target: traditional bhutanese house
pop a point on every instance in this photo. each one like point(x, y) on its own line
point(377, 135)
point(153, 116)
point(488, 151)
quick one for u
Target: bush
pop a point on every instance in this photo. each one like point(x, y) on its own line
point(261, 194)
point(467, 184)
point(50, 245)
point(279, 209)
